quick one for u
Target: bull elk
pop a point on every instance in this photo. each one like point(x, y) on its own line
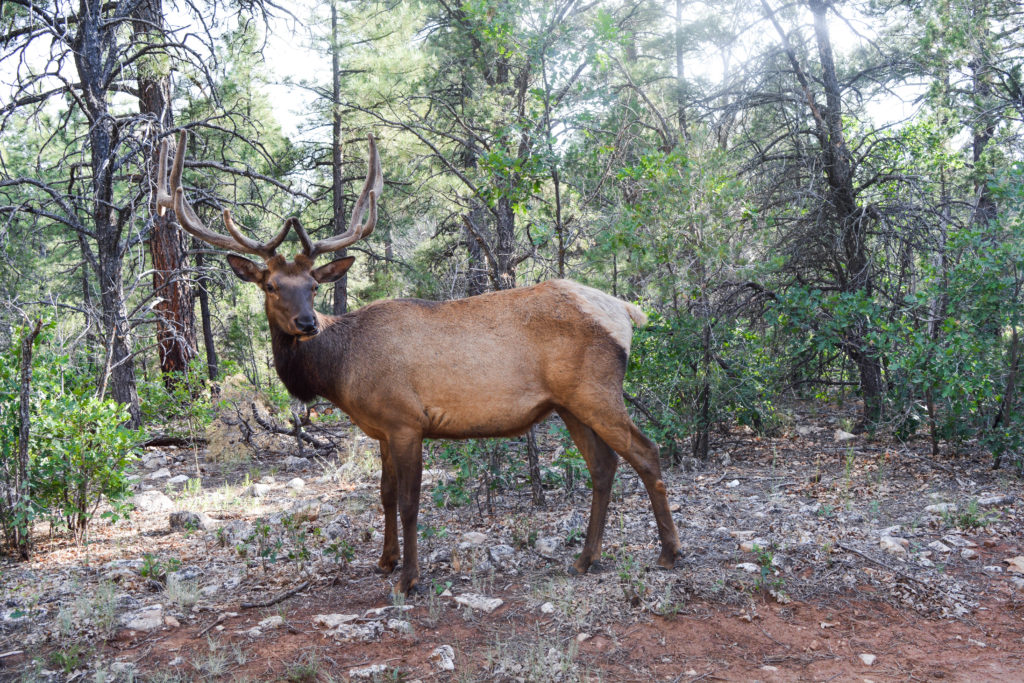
point(407, 369)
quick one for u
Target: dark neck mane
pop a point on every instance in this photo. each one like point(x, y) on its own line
point(310, 368)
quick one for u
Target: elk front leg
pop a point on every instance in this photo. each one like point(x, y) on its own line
point(389, 501)
point(407, 455)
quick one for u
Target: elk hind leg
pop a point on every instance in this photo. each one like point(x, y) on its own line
point(601, 462)
point(626, 439)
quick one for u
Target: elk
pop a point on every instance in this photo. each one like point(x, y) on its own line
point(407, 369)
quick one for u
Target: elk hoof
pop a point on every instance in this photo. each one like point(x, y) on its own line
point(667, 559)
point(408, 586)
point(385, 566)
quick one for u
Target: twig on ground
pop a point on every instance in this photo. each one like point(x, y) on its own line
point(277, 598)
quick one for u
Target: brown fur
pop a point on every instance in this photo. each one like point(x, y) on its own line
point(490, 365)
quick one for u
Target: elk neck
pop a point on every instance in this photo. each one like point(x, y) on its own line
point(314, 366)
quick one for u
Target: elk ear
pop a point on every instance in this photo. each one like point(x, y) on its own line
point(246, 269)
point(333, 271)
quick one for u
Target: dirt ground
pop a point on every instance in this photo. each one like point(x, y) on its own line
point(805, 558)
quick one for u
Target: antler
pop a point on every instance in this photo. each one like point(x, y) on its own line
point(367, 203)
point(172, 196)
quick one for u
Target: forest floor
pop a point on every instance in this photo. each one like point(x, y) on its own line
point(805, 558)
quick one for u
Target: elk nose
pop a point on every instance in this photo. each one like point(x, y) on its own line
point(306, 323)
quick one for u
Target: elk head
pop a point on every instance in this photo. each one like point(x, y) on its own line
point(288, 286)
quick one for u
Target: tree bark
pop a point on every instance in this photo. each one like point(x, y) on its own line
point(340, 304)
point(175, 318)
point(21, 532)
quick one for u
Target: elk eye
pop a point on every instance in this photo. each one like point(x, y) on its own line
point(270, 289)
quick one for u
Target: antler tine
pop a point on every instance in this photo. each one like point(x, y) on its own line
point(171, 195)
point(367, 203)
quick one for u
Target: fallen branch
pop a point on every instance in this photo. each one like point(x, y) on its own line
point(895, 571)
point(209, 628)
point(277, 598)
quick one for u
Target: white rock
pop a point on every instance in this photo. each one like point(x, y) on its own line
point(749, 567)
point(330, 621)
point(732, 484)
point(276, 621)
point(939, 547)
point(178, 480)
point(478, 602)
point(502, 555)
point(958, 541)
point(146, 619)
point(547, 546)
point(841, 436)
point(367, 672)
point(297, 484)
point(894, 544)
point(742, 535)
point(969, 554)
point(582, 637)
point(995, 499)
point(547, 608)
point(400, 626)
point(154, 462)
point(941, 508)
point(992, 569)
point(152, 501)
point(474, 538)
point(443, 658)
point(187, 520)
point(306, 510)
point(867, 659)
point(162, 473)
point(293, 462)
point(258, 490)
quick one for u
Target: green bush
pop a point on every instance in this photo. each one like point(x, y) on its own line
point(79, 447)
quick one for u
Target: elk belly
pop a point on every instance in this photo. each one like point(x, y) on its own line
point(482, 419)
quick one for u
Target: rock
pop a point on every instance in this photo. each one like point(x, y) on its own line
point(547, 546)
point(276, 621)
point(440, 555)
point(467, 557)
point(867, 659)
point(162, 473)
point(958, 541)
point(267, 479)
point(154, 462)
point(235, 532)
point(293, 462)
point(178, 480)
point(1018, 583)
point(185, 520)
point(400, 626)
point(367, 672)
point(939, 547)
point(749, 567)
point(750, 546)
point(742, 535)
point(330, 621)
point(547, 608)
point(152, 501)
point(296, 484)
point(443, 658)
point(171, 622)
point(992, 569)
point(804, 431)
point(582, 637)
point(146, 619)
point(842, 436)
point(378, 612)
point(257, 490)
point(941, 508)
point(969, 554)
point(732, 484)
point(478, 602)
point(473, 538)
point(894, 544)
point(306, 510)
point(503, 556)
point(995, 499)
